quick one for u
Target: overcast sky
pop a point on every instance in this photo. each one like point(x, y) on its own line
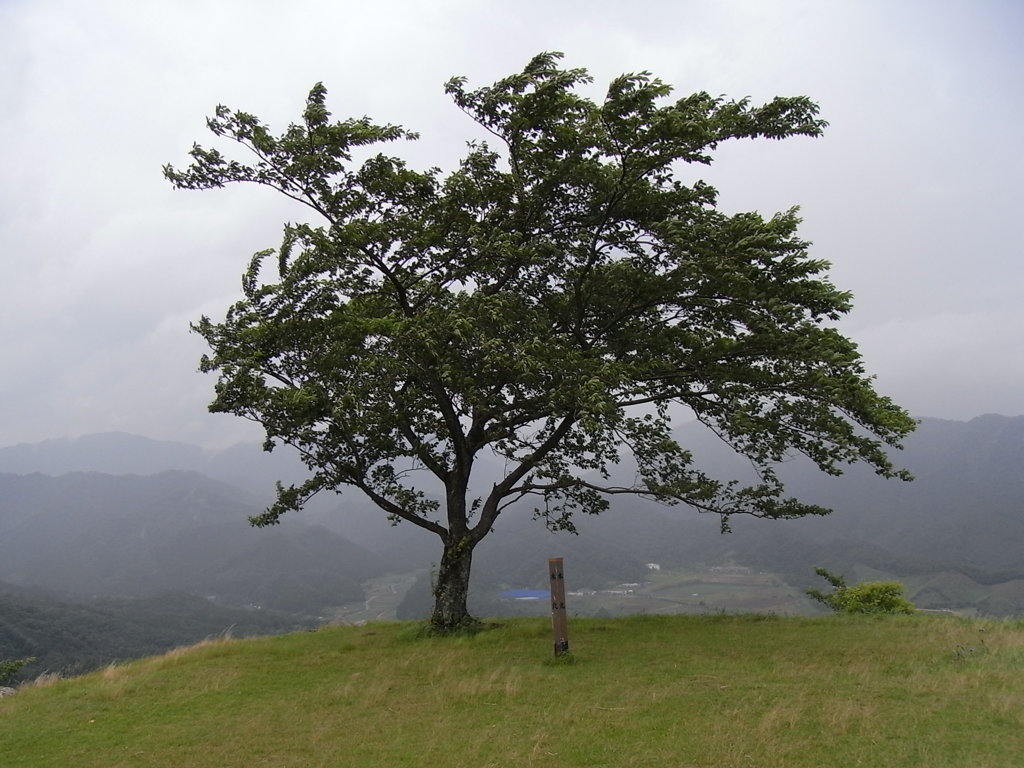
point(913, 194)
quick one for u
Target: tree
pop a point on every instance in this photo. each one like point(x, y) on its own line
point(555, 301)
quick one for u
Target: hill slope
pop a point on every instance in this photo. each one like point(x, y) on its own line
point(728, 692)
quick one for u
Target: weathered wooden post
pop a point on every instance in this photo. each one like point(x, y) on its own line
point(559, 622)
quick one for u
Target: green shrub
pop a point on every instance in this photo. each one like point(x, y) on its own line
point(8, 669)
point(869, 597)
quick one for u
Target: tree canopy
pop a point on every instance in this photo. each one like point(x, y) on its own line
point(555, 301)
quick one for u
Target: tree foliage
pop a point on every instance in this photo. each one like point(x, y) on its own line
point(553, 301)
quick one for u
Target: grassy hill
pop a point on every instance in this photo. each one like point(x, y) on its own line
point(647, 691)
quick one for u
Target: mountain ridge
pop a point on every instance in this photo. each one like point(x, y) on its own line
point(962, 514)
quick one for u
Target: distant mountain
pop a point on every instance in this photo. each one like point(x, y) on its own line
point(962, 515)
point(964, 511)
point(116, 453)
point(955, 535)
point(246, 466)
point(136, 536)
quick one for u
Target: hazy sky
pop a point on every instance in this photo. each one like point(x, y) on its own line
point(914, 193)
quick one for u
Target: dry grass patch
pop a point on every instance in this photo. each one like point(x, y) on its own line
point(44, 680)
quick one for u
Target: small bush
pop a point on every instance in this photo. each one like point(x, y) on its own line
point(8, 669)
point(869, 597)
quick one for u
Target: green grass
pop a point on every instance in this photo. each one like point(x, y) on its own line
point(673, 691)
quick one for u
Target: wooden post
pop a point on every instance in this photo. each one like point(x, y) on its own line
point(559, 623)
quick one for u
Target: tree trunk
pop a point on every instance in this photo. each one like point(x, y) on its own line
point(451, 613)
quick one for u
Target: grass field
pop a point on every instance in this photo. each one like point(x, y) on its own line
point(676, 691)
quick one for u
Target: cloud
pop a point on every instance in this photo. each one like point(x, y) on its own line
point(940, 362)
point(912, 193)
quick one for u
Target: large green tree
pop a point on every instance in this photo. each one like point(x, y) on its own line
point(554, 301)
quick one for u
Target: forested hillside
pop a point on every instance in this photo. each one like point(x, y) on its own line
point(67, 635)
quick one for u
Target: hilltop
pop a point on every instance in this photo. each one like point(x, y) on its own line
point(722, 691)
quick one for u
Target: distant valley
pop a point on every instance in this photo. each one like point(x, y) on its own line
point(117, 517)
